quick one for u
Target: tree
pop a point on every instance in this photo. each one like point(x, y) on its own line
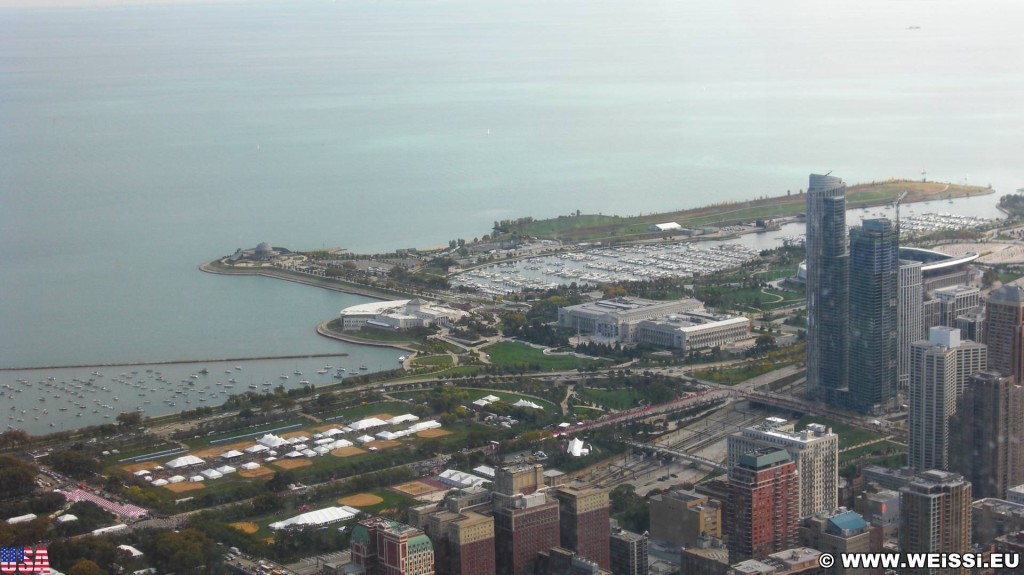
point(129, 419)
point(74, 463)
point(16, 476)
point(86, 567)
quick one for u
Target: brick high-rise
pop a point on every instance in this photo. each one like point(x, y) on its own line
point(385, 547)
point(524, 525)
point(584, 521)
point(935, 516)
point(764, 499)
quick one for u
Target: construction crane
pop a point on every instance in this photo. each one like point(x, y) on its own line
point(896, 204)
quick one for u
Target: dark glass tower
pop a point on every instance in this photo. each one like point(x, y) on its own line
point(827, 288)
point(874, 314)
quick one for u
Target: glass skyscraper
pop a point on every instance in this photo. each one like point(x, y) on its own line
point(827, 288)
point(874, 317)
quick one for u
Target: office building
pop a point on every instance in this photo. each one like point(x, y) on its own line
point(583, 516)
point(955, 301)
point(1004, 330)
point(827, 289)
point(384, 547)
point(462, 530)
point(524, 525)
point(786, 562)
point(764, 498)
point(628, 552)
point(939, 368)
point(709, 558)
point(988, 434)
point(683, 518)
point(911, 319)
point(971, 324)
point(837, 532)
point(562, 561)
point(515, 479)
point(874, 328)
point(935, 516)
point(814, 450)
point(992, 518)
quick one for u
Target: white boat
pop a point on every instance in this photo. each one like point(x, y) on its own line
point(284, 377)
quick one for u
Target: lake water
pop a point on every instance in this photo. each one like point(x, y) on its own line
point(138, 141)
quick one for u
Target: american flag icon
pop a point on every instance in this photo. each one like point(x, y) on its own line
point(12, 554)
point(11, 557)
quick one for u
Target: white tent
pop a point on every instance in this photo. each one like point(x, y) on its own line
point(212, 474)
point(323, 441)
point(525, 403)
point(270, 460)
point(367, 423)
point(364, 439)
point(317, 518)
point(148, 478)
point(271, 440)
point(318, 436)
point(386, 435)
point(158, 468)
point(196, 479)
point(184, 461)
point(309, 453)
point(225, 469)
point(300, 447)
point(230, 454)
point(67, 518)
point(429, 424)
point(160, 482)
point(402, 419)
point(293, 454)
point(321, 450)
point(141, 472)
point(174, 479)
point(339, 443)
point(258, 448)
point(250, 466)
point(576, 448)
point(459, 479)
point(133, 551)
point(333, 431)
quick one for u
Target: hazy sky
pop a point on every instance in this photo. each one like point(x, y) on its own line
point(76, 3)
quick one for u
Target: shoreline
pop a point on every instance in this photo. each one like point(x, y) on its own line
point(322, 330)
point(177, 361)
point(275, 273)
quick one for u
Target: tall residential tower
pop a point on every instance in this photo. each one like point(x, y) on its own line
point(1004, 326)
point(939, 369)
point(874, 327)
point(827, 288)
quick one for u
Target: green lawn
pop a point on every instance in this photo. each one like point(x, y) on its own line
point(511, 354)
point(848, 435)
point(881, 449)
point(612, 398)
point(368, 409)
point(433, 361)
point(475, 394)
point(203, 442)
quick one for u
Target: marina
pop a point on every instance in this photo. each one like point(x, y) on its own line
point(45, 400)
point(606, 265)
